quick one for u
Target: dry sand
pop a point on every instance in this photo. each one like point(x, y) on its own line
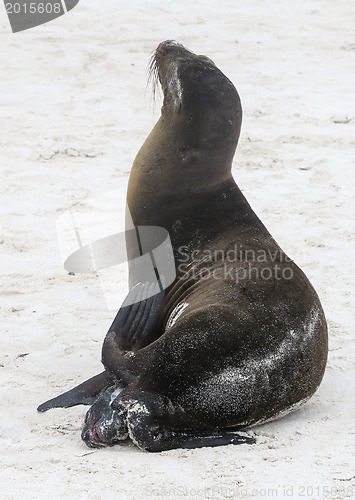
point(74, 111)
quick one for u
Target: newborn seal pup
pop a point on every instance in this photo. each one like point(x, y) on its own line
point(240, 336)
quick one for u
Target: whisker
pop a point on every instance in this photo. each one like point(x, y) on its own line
point(153, 77)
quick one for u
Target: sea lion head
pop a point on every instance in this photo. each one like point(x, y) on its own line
point(201, 105)
point(104, 425)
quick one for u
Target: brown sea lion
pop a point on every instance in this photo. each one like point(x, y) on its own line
point(240, 336)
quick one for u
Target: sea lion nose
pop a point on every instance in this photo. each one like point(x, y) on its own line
point(167, 44)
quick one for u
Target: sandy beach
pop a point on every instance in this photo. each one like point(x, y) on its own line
point(74, 110)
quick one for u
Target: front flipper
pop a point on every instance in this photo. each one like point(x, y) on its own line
point(134, 326)
point(83, 394)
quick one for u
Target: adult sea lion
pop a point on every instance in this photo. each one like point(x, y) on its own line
point(240, 336)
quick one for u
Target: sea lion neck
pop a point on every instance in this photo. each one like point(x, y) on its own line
point(168, 161)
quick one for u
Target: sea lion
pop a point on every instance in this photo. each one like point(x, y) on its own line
point(240, 337)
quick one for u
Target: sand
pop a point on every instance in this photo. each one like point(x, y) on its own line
point(74, 111)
